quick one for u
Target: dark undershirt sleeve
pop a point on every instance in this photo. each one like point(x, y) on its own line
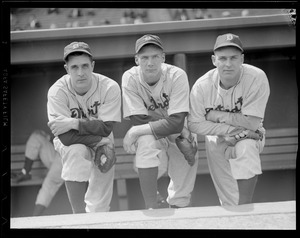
point(95, 127)
point(141, 119)
point(172, 124)
point(89, 133)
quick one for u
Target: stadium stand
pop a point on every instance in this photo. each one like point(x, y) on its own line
point(50, 18)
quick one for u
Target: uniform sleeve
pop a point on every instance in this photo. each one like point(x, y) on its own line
point(133, 104)
point(95, 127)
point(178, 108)
point(57, 104)
point(235, 119)
point(255, 101)
point(90, 132)
point(197, 122)
point(172, 124)
point(141, 119)
point(111, 108)
point(179, 98)
point(72, 137)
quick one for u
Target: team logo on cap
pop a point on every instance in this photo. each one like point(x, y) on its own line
point(147, 38)
point(75, 46)
point(229, 37)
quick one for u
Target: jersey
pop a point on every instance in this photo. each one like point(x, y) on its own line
point(39, 146)
point(170, 95)
point(101, 102)
point(249, 97)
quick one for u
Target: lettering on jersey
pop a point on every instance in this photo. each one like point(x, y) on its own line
point(79, 113)
point(237, 107)
point(156, 105)
point(94, 109)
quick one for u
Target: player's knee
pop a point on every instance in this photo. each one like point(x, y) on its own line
point(245, 145)
point(78, 150)
point(146, 141)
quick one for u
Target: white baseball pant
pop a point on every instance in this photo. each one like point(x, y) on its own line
point(227, 164)
point(165, 155)
point(78, 166)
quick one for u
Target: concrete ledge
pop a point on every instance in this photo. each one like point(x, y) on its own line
point(277, 215)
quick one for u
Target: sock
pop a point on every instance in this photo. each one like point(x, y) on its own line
point(76, 193)
point(148, 183)
point(28, 165)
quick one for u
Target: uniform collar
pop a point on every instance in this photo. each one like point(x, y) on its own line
point(216, 78)
point(89, 92)
point(161, 79)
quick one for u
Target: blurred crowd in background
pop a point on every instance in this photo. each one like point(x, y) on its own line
point(51, 18)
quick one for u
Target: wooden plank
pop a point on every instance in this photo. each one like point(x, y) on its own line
point(280, 149)
point(17, 157)
point(20, 165)
point(17, 149)
point(202, 167)
point(37, 179)
point(278, 161)
point(122, 194)
point(125, 174)
point(282, 132)
point(282, 141)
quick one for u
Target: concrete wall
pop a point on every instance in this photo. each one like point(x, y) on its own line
point(36, 63)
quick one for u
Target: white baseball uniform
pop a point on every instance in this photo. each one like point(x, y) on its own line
point(39, 146)
point(101, 102)
point(249, 97)
point(169, 96)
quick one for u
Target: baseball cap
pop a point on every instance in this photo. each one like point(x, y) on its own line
point(228, 40)
point(77, 47)
point(147, 39)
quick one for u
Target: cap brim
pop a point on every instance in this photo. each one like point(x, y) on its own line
point(84, 51)
point(229, 44)
point(148, 43)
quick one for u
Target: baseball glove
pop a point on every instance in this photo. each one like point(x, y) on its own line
point(239, 134)
point(188, 148)
point(105, 158)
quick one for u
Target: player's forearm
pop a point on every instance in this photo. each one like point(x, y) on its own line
point(72, 137)
point(234, 119)
point(141, 130)
point(95, 127)
point(141, 119)
point(209, 128)
point(168, 126)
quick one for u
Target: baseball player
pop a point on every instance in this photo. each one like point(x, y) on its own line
point(156, 100)
point(38, 145)
point(228, 105)
point(82, 108)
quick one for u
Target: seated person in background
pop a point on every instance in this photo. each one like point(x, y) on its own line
point(39, 146)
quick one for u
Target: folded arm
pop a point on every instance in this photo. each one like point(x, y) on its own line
point(234, 119)
point(73, 131)
point(172, 124)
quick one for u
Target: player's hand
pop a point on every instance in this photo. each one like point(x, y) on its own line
point(105, 141)
point(185, 133)
point(215, 116)
point(62, 124)
point(239, 134)
point(129, 140)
